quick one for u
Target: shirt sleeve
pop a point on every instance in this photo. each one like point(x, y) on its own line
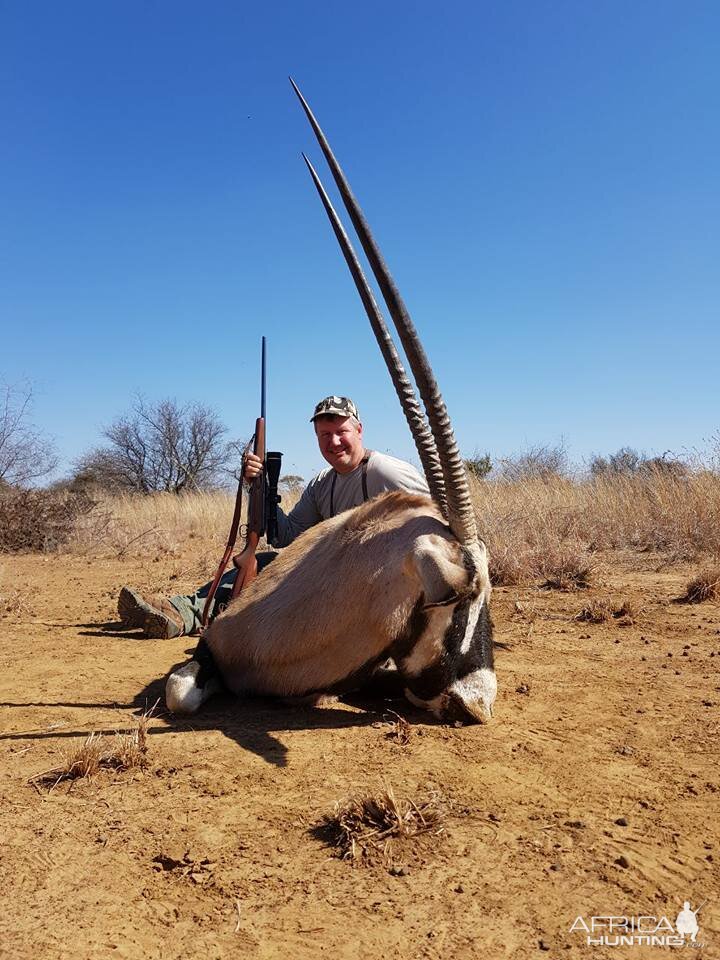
point(391, 474)
point(303, 515)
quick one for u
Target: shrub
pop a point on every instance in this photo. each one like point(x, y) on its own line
point(543, 462)
point(479, 465)
point(39, 520)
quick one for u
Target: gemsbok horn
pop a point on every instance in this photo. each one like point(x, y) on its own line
point(403, 576)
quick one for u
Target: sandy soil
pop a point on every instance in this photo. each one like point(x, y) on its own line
point(595, 790)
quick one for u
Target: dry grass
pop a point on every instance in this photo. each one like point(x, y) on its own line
point(625, 614)
point(528, 522)
point(564, 566)
point(400, 730)
point(16, 604)
point(123, 751)
point(134, 525)
point(596, 611)
point(704, 586)
point(536, 529)
point(127, 525)
point(362, 826)
point(15, 599)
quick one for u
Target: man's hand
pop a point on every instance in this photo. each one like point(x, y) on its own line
point(252, 467)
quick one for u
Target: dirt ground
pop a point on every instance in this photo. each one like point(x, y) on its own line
point(595, 791)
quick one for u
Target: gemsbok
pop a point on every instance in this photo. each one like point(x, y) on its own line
point(402, 577)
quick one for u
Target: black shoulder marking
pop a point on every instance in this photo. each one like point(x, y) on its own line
point(400, 647)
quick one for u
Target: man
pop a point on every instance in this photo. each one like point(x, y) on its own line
point(355, 474)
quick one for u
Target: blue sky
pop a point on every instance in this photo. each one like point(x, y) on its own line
point(542, 178)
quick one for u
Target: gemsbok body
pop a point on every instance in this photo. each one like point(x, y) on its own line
point(402, 576)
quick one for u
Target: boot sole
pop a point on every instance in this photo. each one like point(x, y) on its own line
point(132, 609)
point(158, 626)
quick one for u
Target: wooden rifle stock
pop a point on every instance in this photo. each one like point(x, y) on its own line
point(245, 561)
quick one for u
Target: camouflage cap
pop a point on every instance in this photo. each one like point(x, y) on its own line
point(335, 407)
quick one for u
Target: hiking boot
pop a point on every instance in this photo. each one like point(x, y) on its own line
point(163, 620)
point(131, 608)
point(156, 615)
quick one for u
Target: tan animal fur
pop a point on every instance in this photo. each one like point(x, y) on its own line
point(338, 597)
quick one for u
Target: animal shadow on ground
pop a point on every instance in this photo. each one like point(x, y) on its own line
point(252, 722)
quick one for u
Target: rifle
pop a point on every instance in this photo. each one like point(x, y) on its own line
point(262, 509)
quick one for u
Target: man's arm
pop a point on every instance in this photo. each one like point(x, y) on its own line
point(303, 515)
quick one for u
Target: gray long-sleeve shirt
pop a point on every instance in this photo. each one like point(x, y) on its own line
point(384, 473)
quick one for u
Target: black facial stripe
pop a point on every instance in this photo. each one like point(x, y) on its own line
point(414, 629)
point(469, 563)
point(481, 653)
point(456, 631)
point(452, 664)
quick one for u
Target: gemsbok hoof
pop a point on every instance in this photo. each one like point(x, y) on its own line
point(183, 694)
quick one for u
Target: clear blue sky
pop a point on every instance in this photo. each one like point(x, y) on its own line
point(542, 176)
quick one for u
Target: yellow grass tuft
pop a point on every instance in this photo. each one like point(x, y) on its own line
point(596, 611)
point(124, 751)
point(600, 611)
point(704, 586)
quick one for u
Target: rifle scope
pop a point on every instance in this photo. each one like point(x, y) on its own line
point(273, 461)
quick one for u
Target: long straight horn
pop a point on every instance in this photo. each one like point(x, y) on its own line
point(461, 513)
point(424, 442)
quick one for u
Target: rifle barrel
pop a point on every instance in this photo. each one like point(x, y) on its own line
point(262, 381)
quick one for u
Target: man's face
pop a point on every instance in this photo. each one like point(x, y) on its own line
point(340, 442)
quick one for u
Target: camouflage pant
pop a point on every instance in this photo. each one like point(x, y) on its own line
point(191, 607)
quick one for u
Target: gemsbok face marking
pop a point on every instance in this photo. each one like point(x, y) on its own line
point(402, 576)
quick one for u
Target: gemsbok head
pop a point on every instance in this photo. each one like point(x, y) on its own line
point(402, 577)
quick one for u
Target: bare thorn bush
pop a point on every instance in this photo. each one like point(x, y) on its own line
point(40, 521)
point(367, 825)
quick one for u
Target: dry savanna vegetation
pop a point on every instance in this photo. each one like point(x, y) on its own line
point(549, 529)
point(362, 827)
